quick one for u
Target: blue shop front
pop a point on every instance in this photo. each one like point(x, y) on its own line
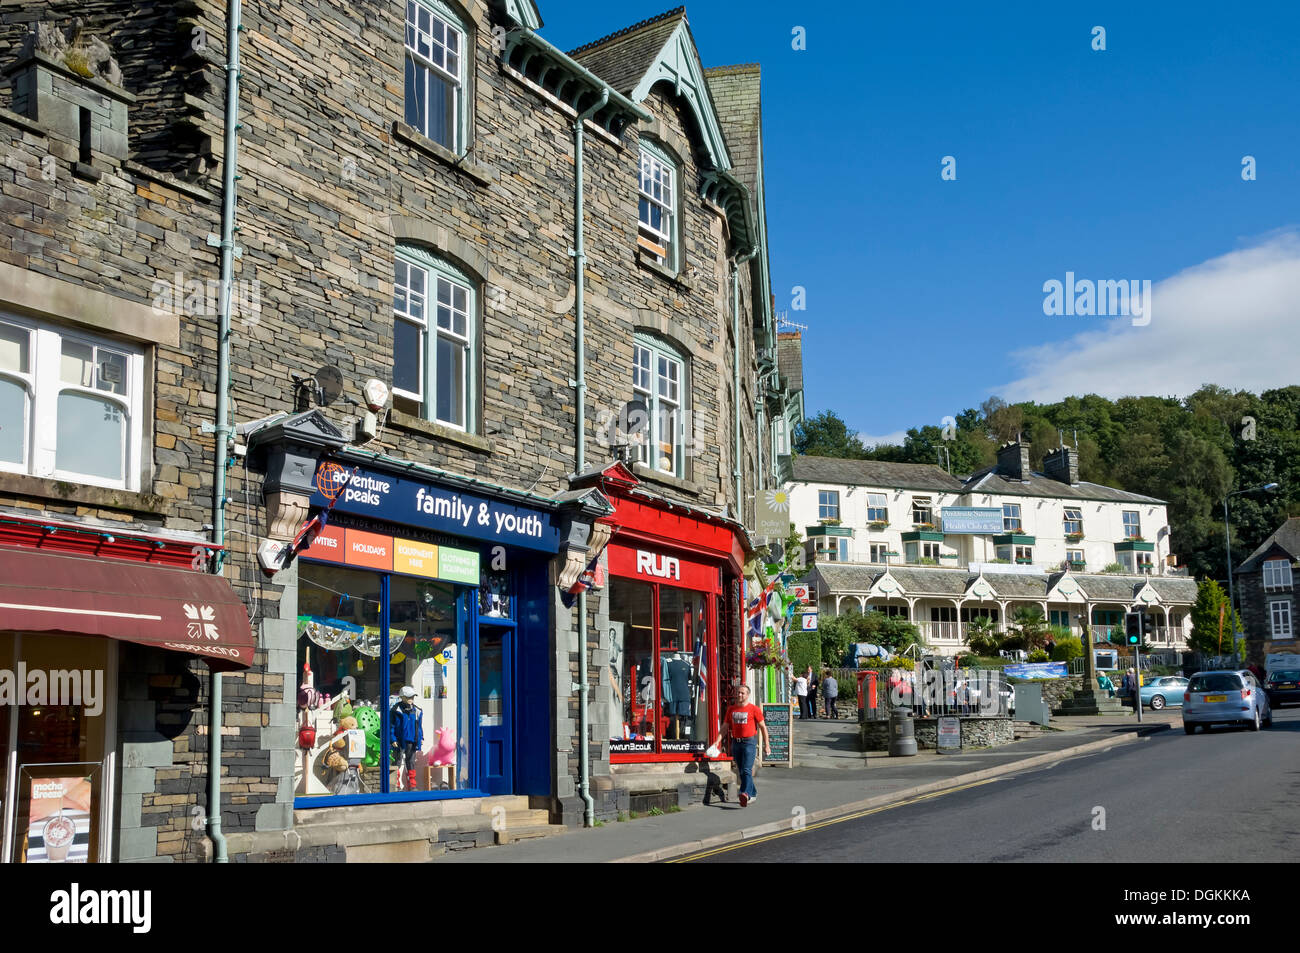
point(424, 647)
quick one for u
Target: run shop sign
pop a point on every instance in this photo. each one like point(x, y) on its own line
point(383, 496)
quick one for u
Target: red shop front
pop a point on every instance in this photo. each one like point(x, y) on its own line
point(675, 654)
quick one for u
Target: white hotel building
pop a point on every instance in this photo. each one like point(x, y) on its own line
point(913, 540)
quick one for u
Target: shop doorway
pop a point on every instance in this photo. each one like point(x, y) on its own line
point(496, 708)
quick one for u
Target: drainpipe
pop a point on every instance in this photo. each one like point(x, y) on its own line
point(223, 429)
point(580, 443)
point(735, 363)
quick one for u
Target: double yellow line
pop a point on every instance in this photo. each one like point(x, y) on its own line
point(687, 858)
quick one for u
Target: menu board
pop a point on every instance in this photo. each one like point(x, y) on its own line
point(777, 718)
point(59, 828)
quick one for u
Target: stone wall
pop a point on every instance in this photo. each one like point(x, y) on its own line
point(975, 733)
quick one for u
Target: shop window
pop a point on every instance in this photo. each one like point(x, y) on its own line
point(435, 73)
point(1011, 517)
point(433, 339)
point(659, 680)
point(660, 396)
point(343, 705)
point(82, 391)
point(657, 206)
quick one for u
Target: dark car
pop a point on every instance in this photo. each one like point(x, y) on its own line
point(1283, 686)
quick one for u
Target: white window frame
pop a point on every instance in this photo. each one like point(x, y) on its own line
point(437, 277)
point(828, 509)
point(930, 551)
point(653, 365)
point(877, 508)
point(779, 427)
point(1011, 523)
point(1144, 563)
point(1071, 553)
point(1076, 520)
point(43, 384)
point(657, 172)
point(1279, 617)
point(1277, 574)
point(877, 552)
point(428, 58)
point(923, 509)
point(1132, 528)
point(1023, 552)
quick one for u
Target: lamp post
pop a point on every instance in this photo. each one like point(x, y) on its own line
point(1227, 545)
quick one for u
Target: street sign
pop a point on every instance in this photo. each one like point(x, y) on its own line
point(949, 735)
point(802, 592)
point(808, 622)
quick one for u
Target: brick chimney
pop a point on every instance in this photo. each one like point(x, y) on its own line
point(1062, 464)
point(1013, 460)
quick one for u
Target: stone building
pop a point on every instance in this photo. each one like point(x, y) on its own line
point(406, 239)
point(1266, 594)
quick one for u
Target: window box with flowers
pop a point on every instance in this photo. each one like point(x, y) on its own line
point(1073, 537)
point(947, 555)
point(880, 524)
point(829, 522)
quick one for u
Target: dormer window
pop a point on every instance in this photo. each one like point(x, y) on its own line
point(657, 232)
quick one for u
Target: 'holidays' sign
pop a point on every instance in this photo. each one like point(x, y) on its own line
point(411, 502)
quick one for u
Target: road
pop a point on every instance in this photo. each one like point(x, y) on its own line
point(1230, 795)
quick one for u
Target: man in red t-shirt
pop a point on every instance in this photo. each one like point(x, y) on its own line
point(743, 722)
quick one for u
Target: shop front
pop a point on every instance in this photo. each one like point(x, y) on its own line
point(423, 641)
point(674, 632)
point(68, 595)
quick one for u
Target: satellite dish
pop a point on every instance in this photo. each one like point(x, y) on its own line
point(329, 385)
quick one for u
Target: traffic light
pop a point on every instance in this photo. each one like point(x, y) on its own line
point(1133, 628)
point(1148, 626)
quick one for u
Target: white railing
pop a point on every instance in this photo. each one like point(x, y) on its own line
point(942, 631)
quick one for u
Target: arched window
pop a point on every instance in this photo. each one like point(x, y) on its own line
point(434, 334)
point(658, 196)
point(437, 73)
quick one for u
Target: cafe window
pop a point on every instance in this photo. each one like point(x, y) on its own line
point(659, 685)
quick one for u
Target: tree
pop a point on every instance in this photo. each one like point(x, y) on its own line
point(982, 636)
point(827, 435)
point(1211, 607)
point(1029, 627)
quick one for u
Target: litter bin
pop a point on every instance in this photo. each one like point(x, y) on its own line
point(902, 736)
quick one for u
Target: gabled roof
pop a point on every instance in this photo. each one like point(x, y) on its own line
point(903, 476)
point(1286, 537)
point(989, 480)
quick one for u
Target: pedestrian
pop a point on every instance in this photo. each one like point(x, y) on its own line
point(801, 693)
point(742, 723)
point(812, 692)
point(1129, 688)
point(830, 691)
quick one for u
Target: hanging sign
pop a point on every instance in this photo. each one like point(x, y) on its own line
point(808, 622)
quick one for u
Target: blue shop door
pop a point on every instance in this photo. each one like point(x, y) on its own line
point(496, 711)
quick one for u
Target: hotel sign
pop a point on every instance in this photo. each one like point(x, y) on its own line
point(972, 519)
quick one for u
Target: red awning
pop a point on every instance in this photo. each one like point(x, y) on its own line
point(177, 609)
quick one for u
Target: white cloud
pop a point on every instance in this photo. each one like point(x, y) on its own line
point(1233, 321)
point(894, 439)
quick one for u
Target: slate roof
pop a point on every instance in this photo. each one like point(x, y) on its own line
point(789, 358)
point(903, 476)
point(989, 480)
point(850, 577)
point(1286, 536)
point(623, 57)
point(735, 92)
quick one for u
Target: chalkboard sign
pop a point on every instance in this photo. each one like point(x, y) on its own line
point(777, 718)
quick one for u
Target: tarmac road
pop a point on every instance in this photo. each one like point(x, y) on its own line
point(1230, 795)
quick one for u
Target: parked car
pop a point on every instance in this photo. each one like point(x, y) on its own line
point(1282, 686)
point(1164, 690)
point(1225, 697)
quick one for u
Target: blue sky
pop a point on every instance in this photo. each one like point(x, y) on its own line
point(1117, 164)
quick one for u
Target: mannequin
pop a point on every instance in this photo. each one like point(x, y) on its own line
point(406, 725)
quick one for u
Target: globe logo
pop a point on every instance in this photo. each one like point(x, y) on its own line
point(330, 479)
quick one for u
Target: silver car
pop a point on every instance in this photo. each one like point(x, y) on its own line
point(1227, 697)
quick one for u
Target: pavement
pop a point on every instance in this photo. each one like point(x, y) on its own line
point(830, 778)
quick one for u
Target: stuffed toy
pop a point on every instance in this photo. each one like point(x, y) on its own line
point(444, 752)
